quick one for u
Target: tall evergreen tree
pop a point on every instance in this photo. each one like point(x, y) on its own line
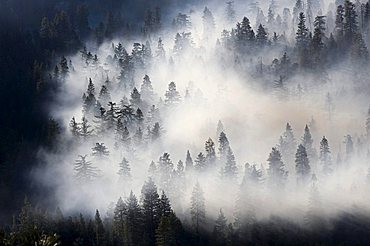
point(151, 209)
point(172, 96)
point(197, 209)
point(276, 170)
point(325, 157)
point(302, 165)
point(84, 170)
point(188, 162)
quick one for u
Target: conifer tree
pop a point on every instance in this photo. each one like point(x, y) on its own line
point(84, 129)
point(100, 238)
point(223, 146)
point(151, 209)
point(261, 37)
point(172, 96)
point(276, 170)
point(119, 220)
point(220, 230)
point(188, 162)
point(100, 150)
point(200, 163)
point(307, 142)
point(210, 152)
point(302, 33)
point(230, 171)
point(124, 171)
point(197, 209)
point(134, 221)
point(302, 165)
point(169, 231)
point(84, 170)
point(74, 127)
point(160, 52)
point(325, 157)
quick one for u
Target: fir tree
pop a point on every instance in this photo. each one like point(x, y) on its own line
point(302, 165)
point(307, 142)
point(276, 171)
point(220, 230)
point(197, 209)
point(84, 170)
point(134, 221)
point(124, 171)
point(200, 163)
point(230, 171)
point(302, 33)
point(151, 209)
point(325, 158)
point(210, 152)
point(74, 127)
point(172, 96)
point(261, 37)
point(119, 220)
point(100, 150)
point(223, 146)
point(188, 162)
point(99, 230)
point(84, 130)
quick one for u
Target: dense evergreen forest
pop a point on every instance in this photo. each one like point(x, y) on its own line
point(184, 122)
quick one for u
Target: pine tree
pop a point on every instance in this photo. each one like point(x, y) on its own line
point(100, 150)
point(134, 221)
point(119, 220)
point(84, 130)
point(160, 53)
point(261, 37)
point(350, 21)
point(146, 90)
point(124, 171)
point(223, 146)
point(307, 142)
point(135, 99)
point(230, 12)
point(188, 162)
point(287, 147)
point(339, 23)
point(200, 163)
point(84, 170)
point(151, 209)
point(220, 230)
point(169, 231)
point(99, 230)
point(64, 69)
point(164, 205)
point(302, 165)
point(104, 95)
point(90, 88)
point(197, 209)
point(359, 51)
point(325, 158)
point(165, 168)
point(172, 96)
point(74, 127)
point(302, 33)
point(317, 42)
point(230, 171)
point(276, 171)
point(210, 152)
point(220, 128)
point(208, 23)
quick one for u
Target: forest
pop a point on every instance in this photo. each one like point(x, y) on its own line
point(199, 122)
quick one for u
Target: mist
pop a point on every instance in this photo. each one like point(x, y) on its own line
point(216, 85)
